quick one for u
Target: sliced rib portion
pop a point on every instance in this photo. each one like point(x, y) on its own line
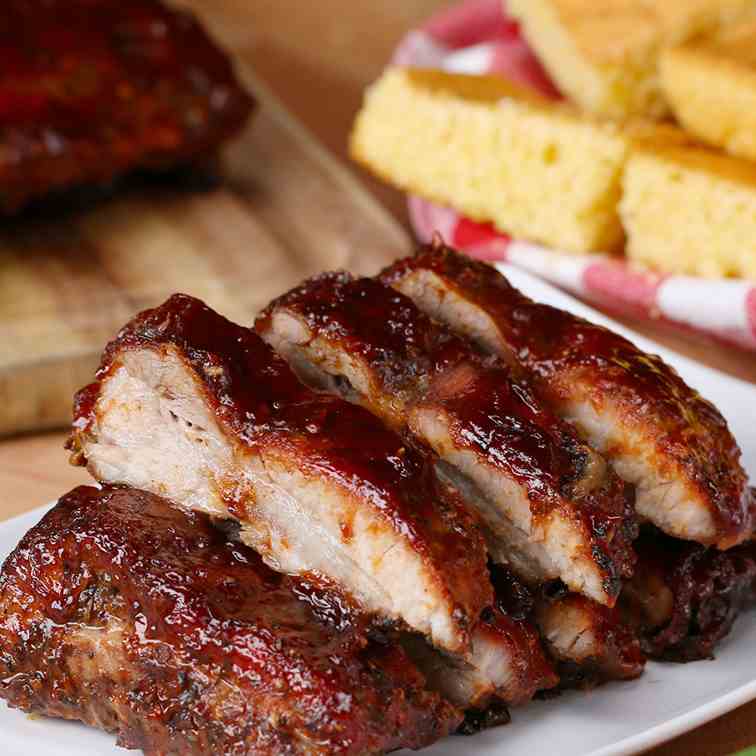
point(684, 598)
point(588, 643)
point(551, 507)
point(507, 663)
point(656, 431)
point(125, 613)
point(192, 407)
point(92, 90)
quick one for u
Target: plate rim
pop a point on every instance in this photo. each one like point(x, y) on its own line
point(666, 731)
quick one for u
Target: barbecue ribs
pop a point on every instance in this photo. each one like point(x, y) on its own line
point(588, 643)
point(94, 89)
point(510, 663)
point(551, 506)
point(193, 407)
point(657, 432)
point(684, 598)
point(125, 613)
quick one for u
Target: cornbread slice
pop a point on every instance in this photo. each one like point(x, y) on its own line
point(537, 169)
point(711, 87)
point(603, 54)
point(496, 153)
point(691, 211)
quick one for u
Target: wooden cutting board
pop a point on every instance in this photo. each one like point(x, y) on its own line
point(286, 209)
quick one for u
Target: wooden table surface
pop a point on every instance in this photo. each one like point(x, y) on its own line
point(318, 57)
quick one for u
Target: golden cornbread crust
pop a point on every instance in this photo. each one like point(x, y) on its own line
point(536, 169)
point(603, 53)
point(711, 87)
point(690, 211)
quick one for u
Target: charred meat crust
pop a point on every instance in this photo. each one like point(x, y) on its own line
point(604, 648)
point(477, 720)
point(420, 365)
point(93, 89)
point(261, 404)
point(511, 617)
point(210, 652)
point(508, 665)
point(383, 328)
point(556, 348)
point(684, 598)
point(600, 646)
point(506, 426)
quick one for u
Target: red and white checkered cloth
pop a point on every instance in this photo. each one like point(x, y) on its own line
point(476, 36)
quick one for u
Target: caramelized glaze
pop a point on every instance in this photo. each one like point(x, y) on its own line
point(559, 350)
point(254, 395)
point(376, 324)
point(684, 598)
point(510, 622)
point(90, 89)
point(420, 364)
point(218, 654)
point(620, 656)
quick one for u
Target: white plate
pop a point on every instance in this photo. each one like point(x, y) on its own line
point(618, 719)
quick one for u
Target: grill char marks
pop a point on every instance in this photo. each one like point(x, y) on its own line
point(548, 502)
point(125, 613)
point(142, 87)
point(657, 432)
point(200, 410)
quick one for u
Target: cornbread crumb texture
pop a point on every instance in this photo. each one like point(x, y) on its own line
point(496, 154)
point(691, 211)
point(711, 86)
point(538, 170)
point(603, 54)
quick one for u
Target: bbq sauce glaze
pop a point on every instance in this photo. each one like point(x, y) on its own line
point(559, 352)
point(254, 394)
point(92, 88)
point(196, 608)
point(696, 592)
point(424, 365)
